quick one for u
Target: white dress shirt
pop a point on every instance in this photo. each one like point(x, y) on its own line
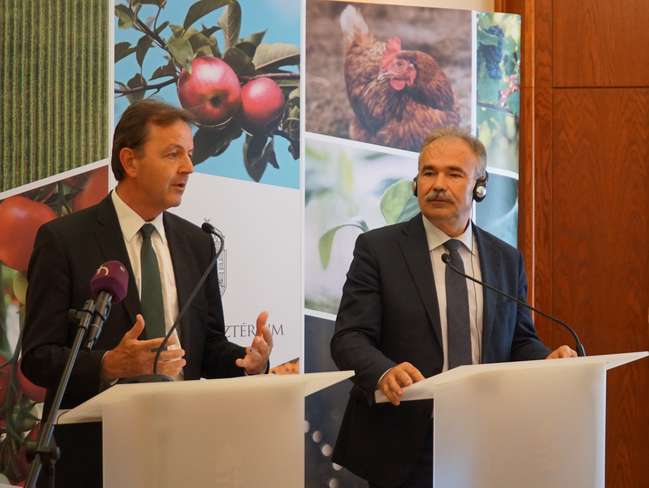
point(131, 223)
point(469, 254)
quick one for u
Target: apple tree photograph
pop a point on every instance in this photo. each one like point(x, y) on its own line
point(233, 65)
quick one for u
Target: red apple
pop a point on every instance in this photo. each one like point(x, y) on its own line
point(94, 190)
point(262, 105)
point(20, 219)
point(211, 92)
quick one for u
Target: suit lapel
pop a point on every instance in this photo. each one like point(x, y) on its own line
point(489, 260)
point(415, 251)
point(178, 248)
point(111, 242)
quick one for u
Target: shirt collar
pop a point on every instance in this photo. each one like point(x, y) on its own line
point(131, 222)
point(435, 237)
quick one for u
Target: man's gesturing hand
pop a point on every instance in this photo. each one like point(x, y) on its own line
point(398, 377)
point(133, 357)
point(562, 352)
point(256, 358)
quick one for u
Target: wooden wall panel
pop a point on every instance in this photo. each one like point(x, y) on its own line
point(601, 43)
point(600, 232)
point(584, 223)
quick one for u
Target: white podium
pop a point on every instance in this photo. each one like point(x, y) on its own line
point(237, 432)
point(530, 423)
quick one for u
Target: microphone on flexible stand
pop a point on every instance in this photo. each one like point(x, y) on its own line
point(581, 352)
point(108, 285)
point(208, 228)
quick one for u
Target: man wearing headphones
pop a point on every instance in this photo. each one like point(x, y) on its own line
point(405, 315)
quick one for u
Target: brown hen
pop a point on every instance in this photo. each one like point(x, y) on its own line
point(398, 96)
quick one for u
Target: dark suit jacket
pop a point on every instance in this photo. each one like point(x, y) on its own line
point(389, 314)
point(66, 255)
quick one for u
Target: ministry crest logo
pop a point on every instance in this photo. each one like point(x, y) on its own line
point(221, 264)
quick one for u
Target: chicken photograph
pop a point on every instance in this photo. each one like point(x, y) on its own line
point(387, 81)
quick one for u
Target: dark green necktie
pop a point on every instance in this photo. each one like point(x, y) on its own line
point(151, 295)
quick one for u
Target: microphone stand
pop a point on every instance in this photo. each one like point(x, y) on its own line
point(47, 452)
point(581, 352)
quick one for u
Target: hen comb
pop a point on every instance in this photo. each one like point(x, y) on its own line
point(392, 48)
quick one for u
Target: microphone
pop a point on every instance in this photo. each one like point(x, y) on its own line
point(109, 285)
point(581, 352)
point(209, 229)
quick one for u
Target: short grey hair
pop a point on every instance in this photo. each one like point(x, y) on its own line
point(476, 146)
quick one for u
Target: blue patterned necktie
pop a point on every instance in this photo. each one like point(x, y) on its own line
point(457, 310)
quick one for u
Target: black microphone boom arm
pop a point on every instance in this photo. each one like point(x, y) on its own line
point(581, 352)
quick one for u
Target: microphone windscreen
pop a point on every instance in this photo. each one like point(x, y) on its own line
point(111, 277)
point(446, 258)
point(207, 227)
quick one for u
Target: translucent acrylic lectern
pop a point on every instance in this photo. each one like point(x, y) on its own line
point(236, 432)
point(530, 423)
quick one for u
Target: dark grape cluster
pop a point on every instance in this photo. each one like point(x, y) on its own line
point(492, 54)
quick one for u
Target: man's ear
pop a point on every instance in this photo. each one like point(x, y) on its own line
point(128, 158)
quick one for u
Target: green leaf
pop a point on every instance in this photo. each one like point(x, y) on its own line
point(162, 27)
point(255, 38)
point(258, 151)
point(271, 56)
point(159, 3)
point(143, 46)
point(182, 52)
point(201, 9)
point(247, 48)
point(122, 50)
point(289, 84)
point(230, 22)
point(239, 61)
point(137, 81)
point(209, 142)
point(394, 200)
point(168, 69)
point(409, 210)
point(126, 17)
point(178, 30)
point(326, 241)
point(201, 44)
point(208, 31)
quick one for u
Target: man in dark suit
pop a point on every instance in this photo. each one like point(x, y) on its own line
point(165, 256)
point(404, 316)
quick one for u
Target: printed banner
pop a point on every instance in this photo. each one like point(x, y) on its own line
point(379, 79)
point(235, 68)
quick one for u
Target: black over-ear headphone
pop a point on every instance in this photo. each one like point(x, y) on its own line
point(479, 190)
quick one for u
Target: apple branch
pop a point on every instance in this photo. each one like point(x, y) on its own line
point(142, 27)
point(274, 76)
point(137, 89)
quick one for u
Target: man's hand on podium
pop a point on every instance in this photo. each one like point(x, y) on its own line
point(133, 357)
point(396, 378)
point(562, 352)
point(256, 359)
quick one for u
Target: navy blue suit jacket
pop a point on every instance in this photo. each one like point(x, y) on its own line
point(66, 255)
point(389, 314)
